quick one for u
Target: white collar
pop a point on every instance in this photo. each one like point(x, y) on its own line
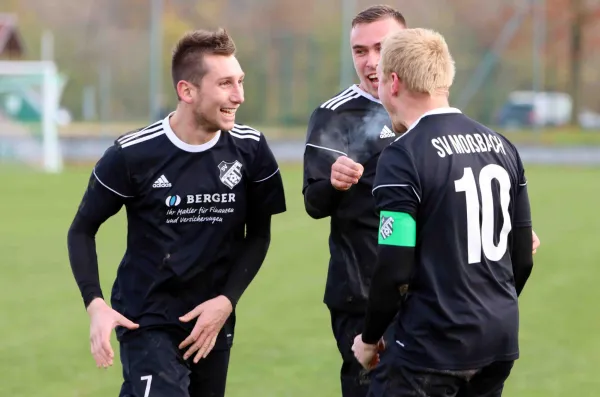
point(444, 110)
point(363, 93)
point(186, 146)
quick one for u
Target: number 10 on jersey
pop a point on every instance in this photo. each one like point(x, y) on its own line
point(480, 235)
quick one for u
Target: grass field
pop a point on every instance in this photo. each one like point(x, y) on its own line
point(283, 346)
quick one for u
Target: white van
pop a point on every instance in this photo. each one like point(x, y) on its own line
point(529, 108)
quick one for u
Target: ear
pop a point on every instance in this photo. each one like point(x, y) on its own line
point(396, 84)
point(185, 91)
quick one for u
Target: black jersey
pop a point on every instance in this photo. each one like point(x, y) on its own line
point(186, 210)
point(465, 186)
point(356, 125)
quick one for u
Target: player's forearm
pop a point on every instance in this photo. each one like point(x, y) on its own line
point(391, 277)
point(81, 245)
point(522, 256)
point(320, 199)
point(249, 259)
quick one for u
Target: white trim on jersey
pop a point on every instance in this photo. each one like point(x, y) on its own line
point(340, 103)
point(143, 139)
point(143, 131)
point(106, 186)
point(264, 179)
point(326, 148)
point(429, 113)
point(241, 128)
point(523, 184)
point(138, 134)
point(245, 132)
point(340, 95)
point(186, 146)
point(398, 185)
point(341, 98)
point(364, 93)
point(253, 137)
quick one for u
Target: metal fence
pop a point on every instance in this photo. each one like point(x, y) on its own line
point(116, 53)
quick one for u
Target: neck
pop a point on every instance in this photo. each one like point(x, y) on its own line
point(416, 105)
point(187, 128)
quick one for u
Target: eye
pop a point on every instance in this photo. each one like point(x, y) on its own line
point(225, 83)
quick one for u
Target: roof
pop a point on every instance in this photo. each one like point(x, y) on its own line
point(11, 42)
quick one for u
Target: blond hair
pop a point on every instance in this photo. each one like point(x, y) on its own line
point(420, 58)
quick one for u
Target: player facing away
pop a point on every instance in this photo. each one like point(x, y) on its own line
point(455, 236)
point(345, 137)
point(199, 191)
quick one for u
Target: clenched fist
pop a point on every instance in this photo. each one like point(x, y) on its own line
point(345, 172)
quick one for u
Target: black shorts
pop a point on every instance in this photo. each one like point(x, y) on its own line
point(398, 380)
point(153, 366)
point(355, 380)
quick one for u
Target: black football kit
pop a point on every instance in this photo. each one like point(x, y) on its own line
point(455, 234)
point(353, 124)
point(198, 221)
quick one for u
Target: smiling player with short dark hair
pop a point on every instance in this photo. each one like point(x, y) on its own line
point(199, 191)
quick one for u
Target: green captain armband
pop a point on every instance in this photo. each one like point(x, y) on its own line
point(397, 228)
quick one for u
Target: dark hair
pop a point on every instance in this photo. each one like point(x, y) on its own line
point(376, 13)
point(187, 61)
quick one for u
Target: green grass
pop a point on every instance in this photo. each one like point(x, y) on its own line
point(283, 342)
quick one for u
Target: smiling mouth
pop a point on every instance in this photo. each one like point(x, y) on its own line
point(228, 111)
point(373, 78)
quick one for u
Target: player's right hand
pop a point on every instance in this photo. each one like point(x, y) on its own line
point(345, 172)
point(103, 319)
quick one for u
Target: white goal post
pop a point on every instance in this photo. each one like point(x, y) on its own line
point(50, 96)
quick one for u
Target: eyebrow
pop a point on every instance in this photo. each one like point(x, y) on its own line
point(362, 46)
point(232, 77)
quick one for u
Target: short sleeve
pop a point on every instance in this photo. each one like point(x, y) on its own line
point(112, 172)
point(265, 189)
point(397, 187)
point(325, 142)
point(522, 212)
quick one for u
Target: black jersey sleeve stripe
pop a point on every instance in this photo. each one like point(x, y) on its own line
point(143, 139)
point(244, 136)
point(270, 176)
point(326, 148)
point(138, 134)
point(108, 187)
point(343, 94)
point(245, 129)
point(399, 185)
point(340, 103)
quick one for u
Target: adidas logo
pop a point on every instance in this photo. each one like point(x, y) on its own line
point(161, 182)
point(386, 133)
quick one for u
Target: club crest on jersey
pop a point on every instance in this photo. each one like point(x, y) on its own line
point(387, 227)
point(230, 173)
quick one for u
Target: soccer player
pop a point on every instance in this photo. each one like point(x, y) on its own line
point(199, 191)
point(344, 139)
point(345, 136)
point(455, 236)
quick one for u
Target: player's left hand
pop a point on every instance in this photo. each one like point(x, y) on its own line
point(536, 242)
point(212, 315)
point(366, 355)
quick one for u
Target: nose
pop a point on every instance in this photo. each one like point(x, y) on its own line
point(237, 96)
point(373, 59)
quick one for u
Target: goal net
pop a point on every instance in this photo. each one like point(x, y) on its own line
point(29, 114)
